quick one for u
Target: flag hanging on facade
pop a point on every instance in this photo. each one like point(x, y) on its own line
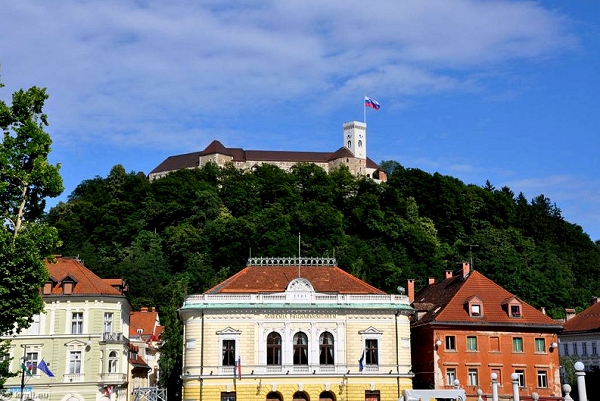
point(239, 367)
point(360, 362)
point(27, 369)
point(372, 103)
point(44, 368)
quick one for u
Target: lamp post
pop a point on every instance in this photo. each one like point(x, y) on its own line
point(579, 371)
point(456, 384)
point(494, 387)
point(515, 386)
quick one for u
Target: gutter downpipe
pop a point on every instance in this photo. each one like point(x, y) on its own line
point(397, 356)
point(201, 355)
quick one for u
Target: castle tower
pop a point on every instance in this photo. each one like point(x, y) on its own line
point(355, 138)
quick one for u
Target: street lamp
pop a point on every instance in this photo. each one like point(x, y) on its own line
point(494, 386)
point(515, 385)
point(579, 371)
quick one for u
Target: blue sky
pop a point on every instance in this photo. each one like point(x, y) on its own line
point(506, 91)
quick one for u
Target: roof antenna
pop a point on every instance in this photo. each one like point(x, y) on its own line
point(298, 254)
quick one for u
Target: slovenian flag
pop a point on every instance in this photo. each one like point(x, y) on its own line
point(361, 366)
point(239, 367)
point(372, 103)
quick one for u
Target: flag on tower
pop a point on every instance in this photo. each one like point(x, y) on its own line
point(372, 103)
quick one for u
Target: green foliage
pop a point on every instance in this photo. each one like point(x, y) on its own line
point(26, 179)
point(192, 229)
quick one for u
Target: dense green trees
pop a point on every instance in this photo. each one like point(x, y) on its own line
point(26, 179)
point(187, 231)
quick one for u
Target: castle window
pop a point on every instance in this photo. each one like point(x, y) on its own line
point(228, 352)
point(371, 352)
point(326, 349)
point(359, 143)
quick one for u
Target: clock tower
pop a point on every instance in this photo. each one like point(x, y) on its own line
point(355, 138)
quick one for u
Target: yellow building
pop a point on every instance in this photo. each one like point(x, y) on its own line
point(295, 329)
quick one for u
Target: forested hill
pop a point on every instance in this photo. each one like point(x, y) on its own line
point(193, 228)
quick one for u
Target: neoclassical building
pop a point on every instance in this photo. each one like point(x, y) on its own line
point(352, 154)
point(81, 337)
point(295, 329)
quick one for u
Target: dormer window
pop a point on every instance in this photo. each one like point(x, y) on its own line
point(474, 306)
point(67, 288)
point(513, 307)
point(48, 288)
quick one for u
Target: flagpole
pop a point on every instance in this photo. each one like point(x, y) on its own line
point(23, 370)
point(365, 110)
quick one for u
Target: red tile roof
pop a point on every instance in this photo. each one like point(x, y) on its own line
point(586, 320)
point(448, 297)
point(273, 279)
point(86, 282)
point(146, 321)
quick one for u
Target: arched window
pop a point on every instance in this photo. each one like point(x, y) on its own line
point(274, 349)
point(326, 349)
point(300, 349)
point(113, 362)
point(299, 396)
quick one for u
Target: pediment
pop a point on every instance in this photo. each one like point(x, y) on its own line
point(300, 285)
point(228, 331)
point(370, 330)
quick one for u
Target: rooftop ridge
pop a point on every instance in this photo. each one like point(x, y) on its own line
point(291, 261)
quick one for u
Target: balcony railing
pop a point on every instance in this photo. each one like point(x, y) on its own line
point(312, 298)
point(113, 378)
point(114, 338)
point(285, 369)
point(73, 377)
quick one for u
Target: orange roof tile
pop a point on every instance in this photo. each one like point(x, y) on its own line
point(586, 320)
point(144, 320)
point(448, 298)
point(86, 281)
point(272, 279)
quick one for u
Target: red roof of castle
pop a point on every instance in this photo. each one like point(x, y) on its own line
point(86, 281)
point(445, 302)
point(273, 279)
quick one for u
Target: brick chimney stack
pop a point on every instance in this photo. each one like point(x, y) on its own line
point(431, 280)
point(466, 269)
point(410, 290)
point(448, 274)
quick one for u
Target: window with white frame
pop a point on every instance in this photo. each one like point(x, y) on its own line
point(574, 348)
point(77, 323)
point(521, 377)
point(326, 349)
point(517, 344)
point(300, 346)
point(371, 352)
point(471, 343)
point(450, 343)
point(228, 347)
point(274, 349)
point(108, 322)
point(540, 345)
point(450, 376)
point(584, 348)
point(31, 361)
point(34, 327)
point(74, 362)
point(473, 377)
point(113, 362)
point(542, 379)
point(566, 349)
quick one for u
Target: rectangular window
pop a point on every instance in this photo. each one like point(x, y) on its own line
point(77, 323)
point(229, 396)
point(450, 343)
point(228, 352)
point(542, 379)
point(450, 376)
point(584, 348)
point(108, 322)
point(574, 348)
point(495, 344)
point(521, 375)
point(74, 362)
point(515, 310)
point(31, 359)
point(517, 344)
point(472, 379)
point(372, 353)
point(566, 349)
point(594, 349)
point(498, 373)
point(475, 310)
point(540, 345)
point(471, 343)
point(372, 395)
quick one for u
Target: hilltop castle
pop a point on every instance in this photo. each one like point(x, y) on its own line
point(352, 154)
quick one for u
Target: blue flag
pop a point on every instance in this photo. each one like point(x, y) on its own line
point(360, 362)
point(44, 368)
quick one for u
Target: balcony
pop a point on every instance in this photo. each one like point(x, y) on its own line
point(114, 338)
point(113, 378)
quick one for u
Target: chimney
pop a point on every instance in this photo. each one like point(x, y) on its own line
point(466, 269)
point(144, 309)
point(543, 309)
point(410, 290)
point(448, 274)
point(594, 301)
point(431, 280)
point(569, 314)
